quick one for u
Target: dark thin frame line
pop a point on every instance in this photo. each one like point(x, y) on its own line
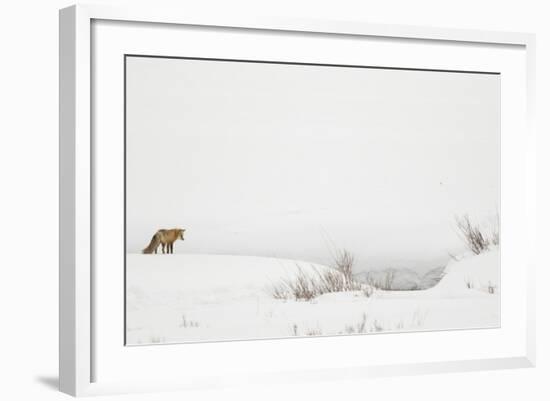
point(124, 198)
point(125, 57)
point(373, 67)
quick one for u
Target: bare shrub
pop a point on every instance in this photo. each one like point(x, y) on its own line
point(489, 287)
point(329, 281)
point(381, 283)
point(301, 286)
point(307, 332)
point(314, 332)
point(376, 326)
point(332, 280)
point(188, 323)
point(343, 261)
point(308, 285)
point(469, 284)
point(473, 236)
point(280, 291)
point(359, 327)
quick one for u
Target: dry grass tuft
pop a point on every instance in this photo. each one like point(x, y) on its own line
point(474, 237)
point(308, 285)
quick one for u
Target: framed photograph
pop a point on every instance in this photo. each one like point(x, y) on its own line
point(278, 200)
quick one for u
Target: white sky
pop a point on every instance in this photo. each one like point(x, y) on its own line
point(270, 160)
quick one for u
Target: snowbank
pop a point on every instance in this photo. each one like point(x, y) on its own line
point(187, 298)
point(473, 272)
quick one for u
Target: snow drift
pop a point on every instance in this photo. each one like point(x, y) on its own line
point(189, 298)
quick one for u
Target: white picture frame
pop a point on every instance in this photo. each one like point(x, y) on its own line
point(79, 341)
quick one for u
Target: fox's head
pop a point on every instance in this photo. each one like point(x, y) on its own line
point(180, 233)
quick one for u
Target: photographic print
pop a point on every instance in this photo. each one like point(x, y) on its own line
point(275, 200)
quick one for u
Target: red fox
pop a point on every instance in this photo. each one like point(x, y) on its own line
point(166, 238)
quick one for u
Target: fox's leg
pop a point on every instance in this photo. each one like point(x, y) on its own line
point(172, 247)
point(162, 248)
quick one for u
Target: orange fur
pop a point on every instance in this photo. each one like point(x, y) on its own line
point(166, 238)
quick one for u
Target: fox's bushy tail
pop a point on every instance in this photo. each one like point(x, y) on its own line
point(153, 245)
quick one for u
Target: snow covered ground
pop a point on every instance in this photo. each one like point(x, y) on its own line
point(188, 298)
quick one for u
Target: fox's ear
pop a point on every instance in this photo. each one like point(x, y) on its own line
point(183, 230)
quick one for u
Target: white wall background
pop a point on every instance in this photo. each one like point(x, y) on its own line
point(28, 205)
